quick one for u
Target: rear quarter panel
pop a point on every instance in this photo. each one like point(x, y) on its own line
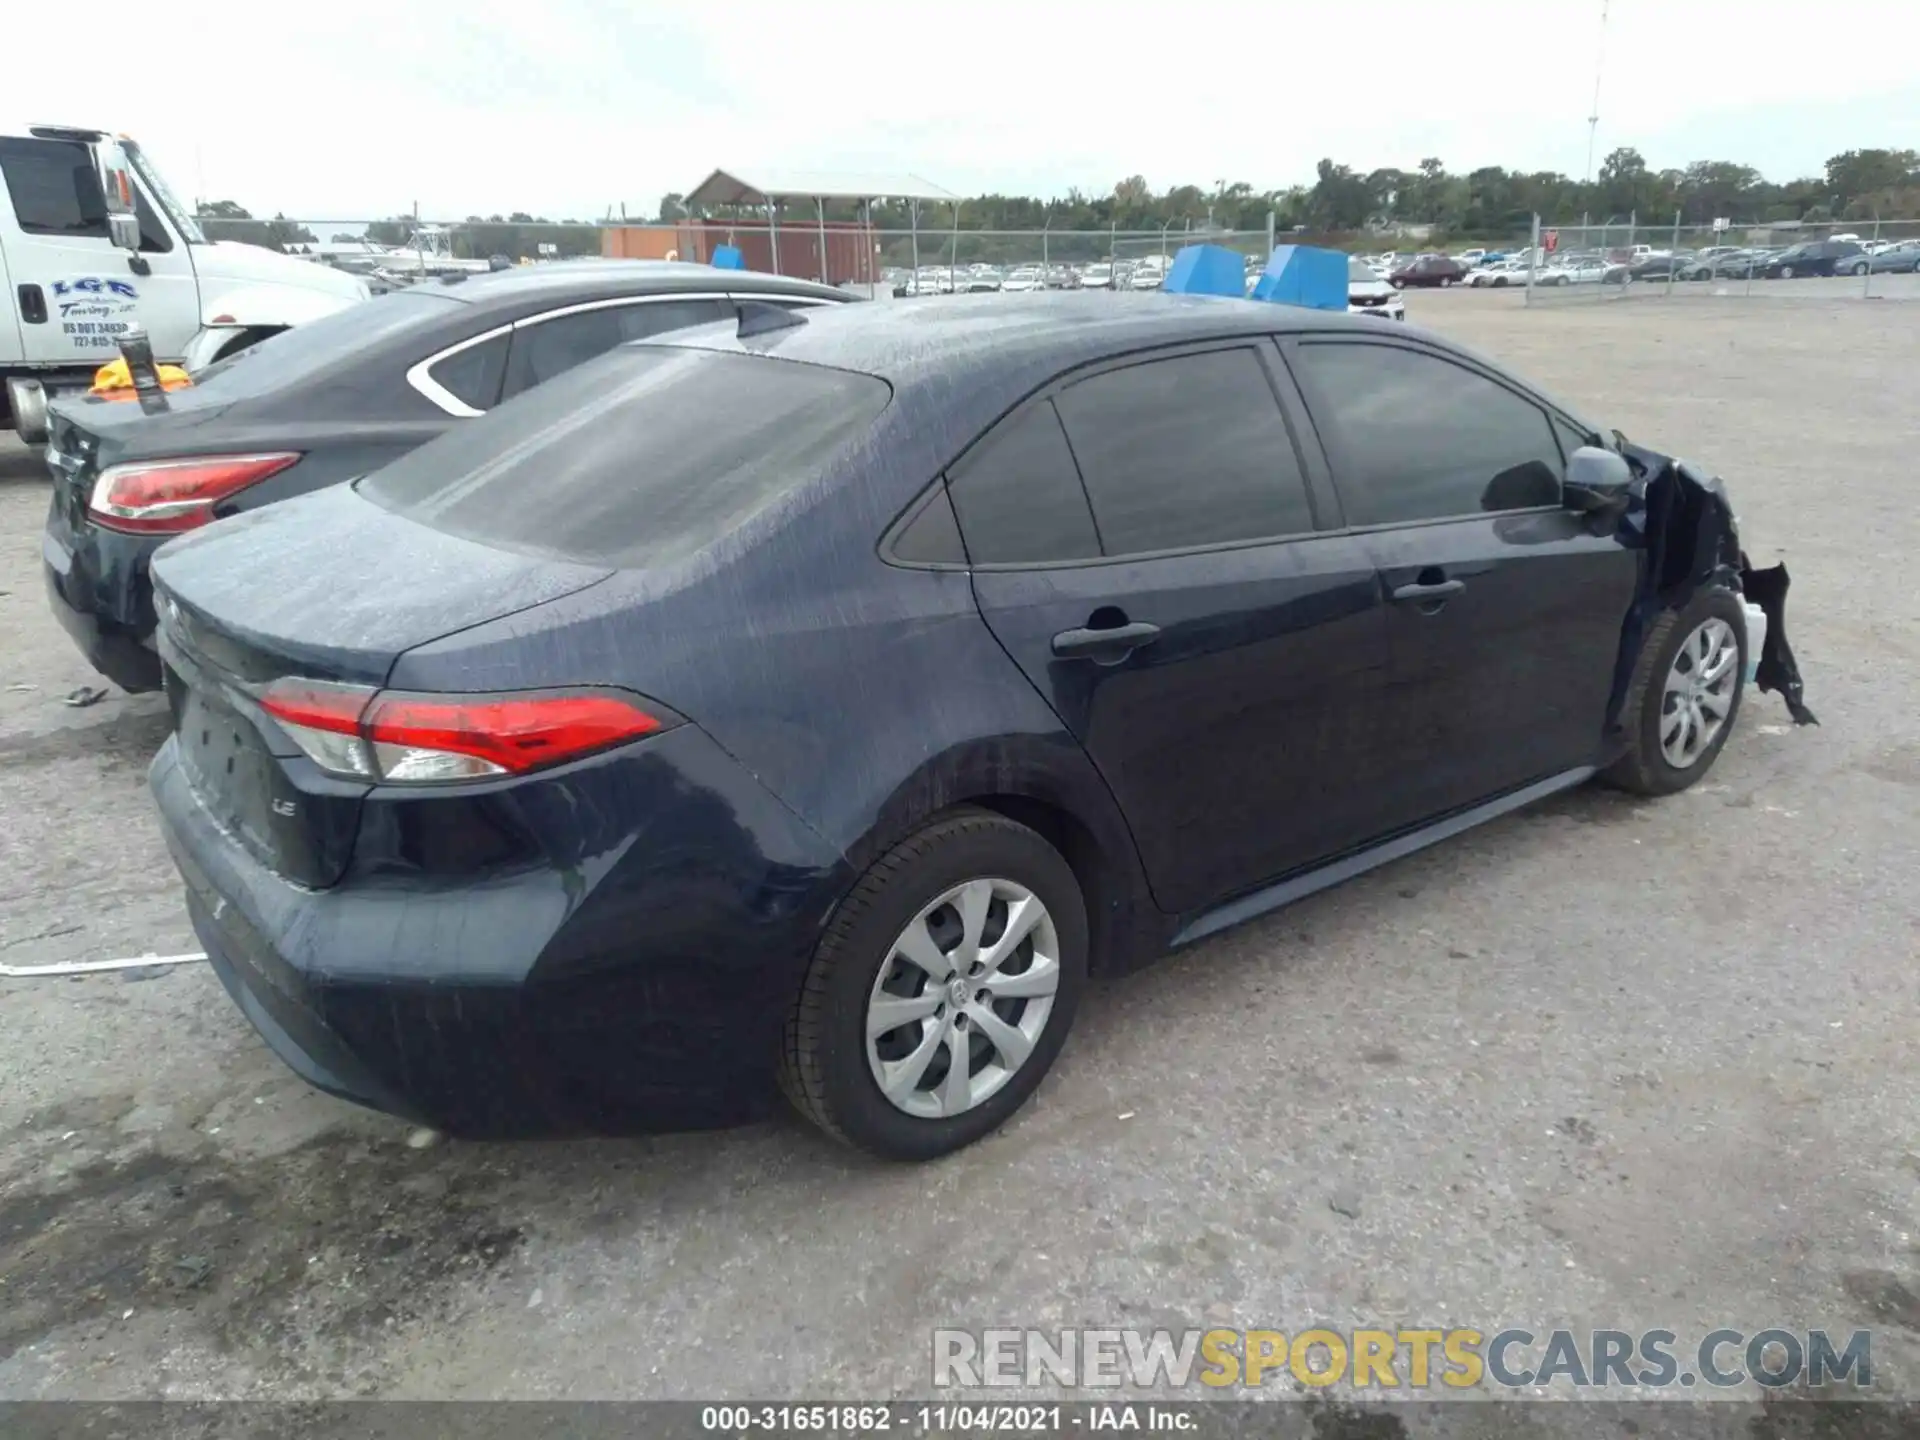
point(864, 695)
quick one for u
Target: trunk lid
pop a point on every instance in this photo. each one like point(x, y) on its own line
point(325, 587)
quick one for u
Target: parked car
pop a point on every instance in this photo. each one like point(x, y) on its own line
point(1660, 266)
point(1429, 270)
point(324, 402)
point(1816, 257)
point(1901, 257)
point(1368, 294)
point(1097, 277)
point(1497, 275)
point(1590, 270)
point(827, 703)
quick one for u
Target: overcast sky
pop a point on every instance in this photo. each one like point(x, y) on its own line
point(351, 108)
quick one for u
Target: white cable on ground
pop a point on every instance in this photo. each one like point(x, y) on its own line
point(91, 967)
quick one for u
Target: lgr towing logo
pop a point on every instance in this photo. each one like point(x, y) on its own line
point(84, 294)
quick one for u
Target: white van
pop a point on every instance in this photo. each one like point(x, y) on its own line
point(92, 240)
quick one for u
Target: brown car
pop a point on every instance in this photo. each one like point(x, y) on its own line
point(1428, 270)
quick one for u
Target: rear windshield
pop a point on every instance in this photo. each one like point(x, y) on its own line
point(306, 350)
point(644, 455)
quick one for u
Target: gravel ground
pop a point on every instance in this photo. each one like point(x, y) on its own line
point(1601, 1064)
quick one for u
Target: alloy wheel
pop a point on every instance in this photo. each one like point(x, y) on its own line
point(962, 998)
point(1701, 685)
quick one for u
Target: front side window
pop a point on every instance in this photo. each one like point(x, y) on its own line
point(1415, 437)
point(1190, 450)
point(54, 188)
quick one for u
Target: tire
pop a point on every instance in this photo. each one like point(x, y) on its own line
point(826, 1070)
point(1445, 281)
point(1785, 272)
point(1398, 284)
point(1646, 768)
point(1860, 268)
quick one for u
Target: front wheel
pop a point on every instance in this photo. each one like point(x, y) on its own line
point(941, 992)
point(1785, 272)
point(1860, 268)
point(1684, 695)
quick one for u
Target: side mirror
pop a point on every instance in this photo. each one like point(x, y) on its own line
point(116, 188)
point(1597, 480)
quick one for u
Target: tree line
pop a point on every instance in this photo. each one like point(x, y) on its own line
point(1857, 185)
point(1491, 202)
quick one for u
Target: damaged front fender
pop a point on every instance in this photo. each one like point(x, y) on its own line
point(1685, 524)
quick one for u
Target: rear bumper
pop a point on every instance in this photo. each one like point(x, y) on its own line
point(639, 987)
point(120, 651)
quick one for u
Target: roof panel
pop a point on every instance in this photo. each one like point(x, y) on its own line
point(728, 187)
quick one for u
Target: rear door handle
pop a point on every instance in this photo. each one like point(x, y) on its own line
point(1109, 646)
point(1436, 590)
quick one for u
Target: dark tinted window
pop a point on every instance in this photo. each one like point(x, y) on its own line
point(346, 337)
point(551, 347)
point(1191, 450)
point(1415, 437)
point(640, 457)
point(54, 188)
point(473, 375)
point(931, 536)
point(1019, 497)
point(1571, 436)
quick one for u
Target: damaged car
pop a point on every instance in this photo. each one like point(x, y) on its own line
point(815, 703)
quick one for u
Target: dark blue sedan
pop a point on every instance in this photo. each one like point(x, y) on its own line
point(815, 701)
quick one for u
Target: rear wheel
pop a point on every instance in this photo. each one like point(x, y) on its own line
point(1445, 281)
point(1684, 696)
point(941, 992)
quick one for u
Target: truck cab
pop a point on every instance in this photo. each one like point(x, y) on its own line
point(92, 240)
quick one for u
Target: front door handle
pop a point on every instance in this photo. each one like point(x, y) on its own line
point(1434, 590)
point(1106, 647)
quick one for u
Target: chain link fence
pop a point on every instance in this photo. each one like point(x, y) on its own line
point(926, 260)
point(1630, 259)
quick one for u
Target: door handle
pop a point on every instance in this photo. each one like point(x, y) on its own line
point(1436, 590)
point(33, 305)
point(1106, 647)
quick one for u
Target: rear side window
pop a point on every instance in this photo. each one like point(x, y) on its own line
point(639, 458)
point(1191, 450)
point(54, 188)
point(1018, 495)
point(543, 349)
point(346, 337)
point(473, 376)
point(1415, 437)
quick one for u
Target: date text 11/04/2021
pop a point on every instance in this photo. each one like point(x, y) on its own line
point(943, 1418)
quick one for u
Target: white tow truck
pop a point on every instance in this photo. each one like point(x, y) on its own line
point(92, 240)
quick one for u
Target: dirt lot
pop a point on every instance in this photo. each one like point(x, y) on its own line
point(1602, 1064)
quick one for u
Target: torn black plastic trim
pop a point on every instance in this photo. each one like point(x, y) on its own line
point(1778, 672)
point(1683, 521)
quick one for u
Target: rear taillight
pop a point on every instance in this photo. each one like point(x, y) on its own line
point(164, 497)
point(354, 731)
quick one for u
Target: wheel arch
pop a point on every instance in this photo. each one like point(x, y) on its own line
point(1061, 797)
